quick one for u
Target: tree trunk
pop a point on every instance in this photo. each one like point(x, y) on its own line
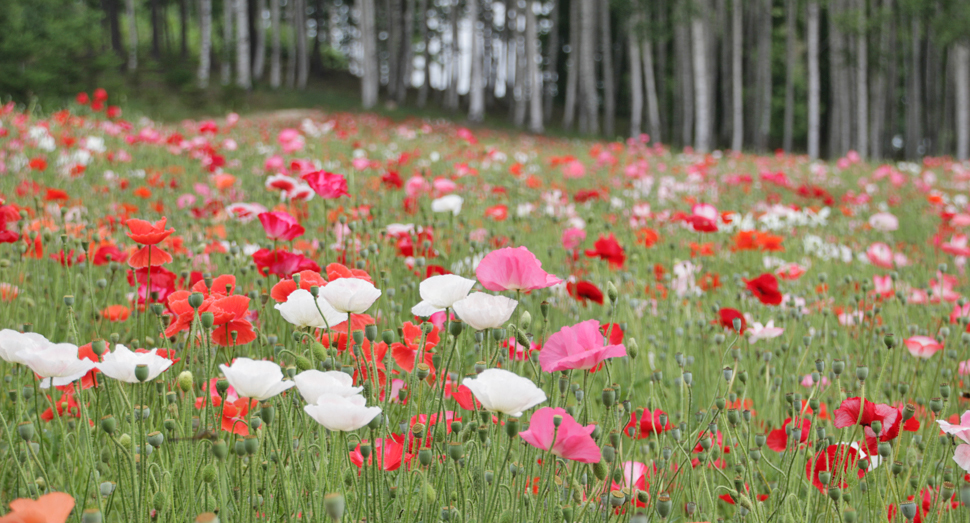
point(572, 65)
point(476, 91)
point(814, 81)
point(511, 52)
point(636, 78)
point(877, 116)
point(737, 75)
point(764, 77)
point(862, 82)
point(394, 44)
point(723, 80)
point(425, 54)
point(451, 98)
point(291, 45)
point(132, 35)
point(156, 29)
point(609, 89)
point(587, 71)
point(521, 78)
point(552, 62)
point(653, 102)
point(914, 118)
point(371, 78)
point(242, 45)
point(114, 26)
point(226, 62)
point(961, 57)
point(532, 68)
point(836, 47)
point(183, 28)
point(275, 66)
point(303, 57)
point(702, 95)
point(404, 78)
point(684, 97)
point(205, 45)
point(790, 28)
point(259, 64)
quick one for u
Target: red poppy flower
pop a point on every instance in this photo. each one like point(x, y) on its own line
point(585, 291)
point(389, 453)
point(282, 263)
point(837, 459)
point(778, 438)
point(107, 254)
point(147, 233)
point(406, 353)
point(608, 249)
point(149, 255)
point(230, 317)
point(852, 411)
point(726, 319)
point(648, 425)
point(765, 288)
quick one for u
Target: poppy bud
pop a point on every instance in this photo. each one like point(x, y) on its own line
point(544, 308)
point(99, 347)
point(220, 450)
point(908, 509)
point(370, 332)
point(850, 515)
point(333, 505)
point(885, 449)
point(26, 430)
point(664, 505)
point(835, 493)
point(862, 373)
point(91, 515)
point(207, 319)
point(512, 427)
point(141, 372)
point(155, 439)
point(455, 450)
point(909, 411)
point(609, 397)
point(109, 424)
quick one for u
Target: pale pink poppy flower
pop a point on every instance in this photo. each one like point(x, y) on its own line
point(883, 285)
point(756, 331)
point(922, 347)
point(513, 269)
point(574, 169)
point(884, 221)
point(572, 238)
point(245, 212)
point(942, 288)
point(843, 163)
point(274, 164)
point(960, 220)
point(880, 255)
point(290, 140)
point(807, 381)
point(232, 119)
point(850, 318)
point(964, 368)
point(185, 200)
point(478, 235)
point(957, 246)
point(961, 456)
point(361, 163)
point(416, 185)
point(444, 185)
point(569, 440)
point(580, 347)
point(960, 430)
point(959, 312)
point(791, 271)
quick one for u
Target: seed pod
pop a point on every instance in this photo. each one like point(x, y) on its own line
point(333, 505)
point(664, 505)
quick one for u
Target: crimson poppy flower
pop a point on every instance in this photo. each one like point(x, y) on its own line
point(107, 254)
point(163, 283)
point(765, 288)
point(727, 316)
point(778, 439)
point(282, 263)
point(608, 249)
point(854, 411)
point(615, 332)
point(230, 317)
point(406, 353)
point(429, 422)
point(389, 453)
point(147, 233)
point(838, 460)
point(648, 425)
point(585, 291)
point(463, 396)
point(280, 225)
point(327, 185)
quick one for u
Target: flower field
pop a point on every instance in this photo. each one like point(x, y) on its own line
point(337, 317)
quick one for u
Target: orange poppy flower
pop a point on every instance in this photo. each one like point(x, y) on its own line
point(770, 242)
point(49, 508)
point(147, 233)
point(648, 237)
point(143, 193)
point(116, 313)
point(225, 181)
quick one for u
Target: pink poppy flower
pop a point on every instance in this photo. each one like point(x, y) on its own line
point(569, 440)
point(327, 185)
point(880, 255)
point(572, 238)
point(513, 269)
point(290, 140)
point(578, 347)
point(703, 217)
point(574, 169)
point(960, 430)
point(922, 347)
point(280, 225)
point(883, 285)
point(884, 221)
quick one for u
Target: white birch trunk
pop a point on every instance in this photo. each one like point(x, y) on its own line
point(371, 79)
point(476, 94)
point(650, 81)
point(259, 64)
point(791, 14)
point(961, 58)
point(226, 65)
point(302, 56)
point(636, 78)
point(737, 76)
point(205, 45)
point(587, 71)
point(572, 66)
point(702, 127)
point(862, 83)
point(243, 69)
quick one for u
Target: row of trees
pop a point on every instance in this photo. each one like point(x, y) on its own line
point(881, 77)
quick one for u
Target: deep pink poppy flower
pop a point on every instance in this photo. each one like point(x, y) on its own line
point(328, 186)
point(569, 440)
point(579, 347)
point(513, 269)
point(280, 225)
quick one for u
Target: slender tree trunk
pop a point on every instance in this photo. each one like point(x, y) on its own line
point(275, 65)
point(226, 62)
point(702, 95)
point(532, 67)
point(914, 95)
point(609, 89)
point(242, 45)
point(814, 81)
point(723, 82)
point(660, 11)
point(404, 79)
point(303, 57)
point(552, 62)
point(511, 55)
point(764, 76)
point(114, 26)
point(961, 57)
point(877, 116)
point(836, 44)
point(636, 78)
point(862, 82)
point(451, 98)
point(425, 53)
point(394, 43)
point(156, 29)
point(521, 77)
point(488, 52)
point(587, 71)
point(132, 35)
point(737, 75)
point(291, 45)
point(683, 68)
point(371, 79)
point(476, 91)
point(205, 45)
point(259, 63)
point(650, 84)
point(183, 28)
point(572, 64)
point(790, 28)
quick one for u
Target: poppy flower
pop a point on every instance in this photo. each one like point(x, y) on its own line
point(648, 425)
point(308, 279)
point(778, 439)
point(516, 269)
point(703, 218)
point(162, 283)
point(147, 233)
point(608, 249)
point(765, 288)
point(280, 225)
point(580, 346)
point(727, 316)
point(230, 318)
point(838, 460)
point(282, 263)
point(389, 453)
point(327, 185)
point(584, 291)
point(116, 313)
point(405, 354)
point(568, 439)
point(853, 411)
point(149, 255)
point(107, 254)
point(54, 507)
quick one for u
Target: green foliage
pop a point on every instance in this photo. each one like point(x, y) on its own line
point(48, 55)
